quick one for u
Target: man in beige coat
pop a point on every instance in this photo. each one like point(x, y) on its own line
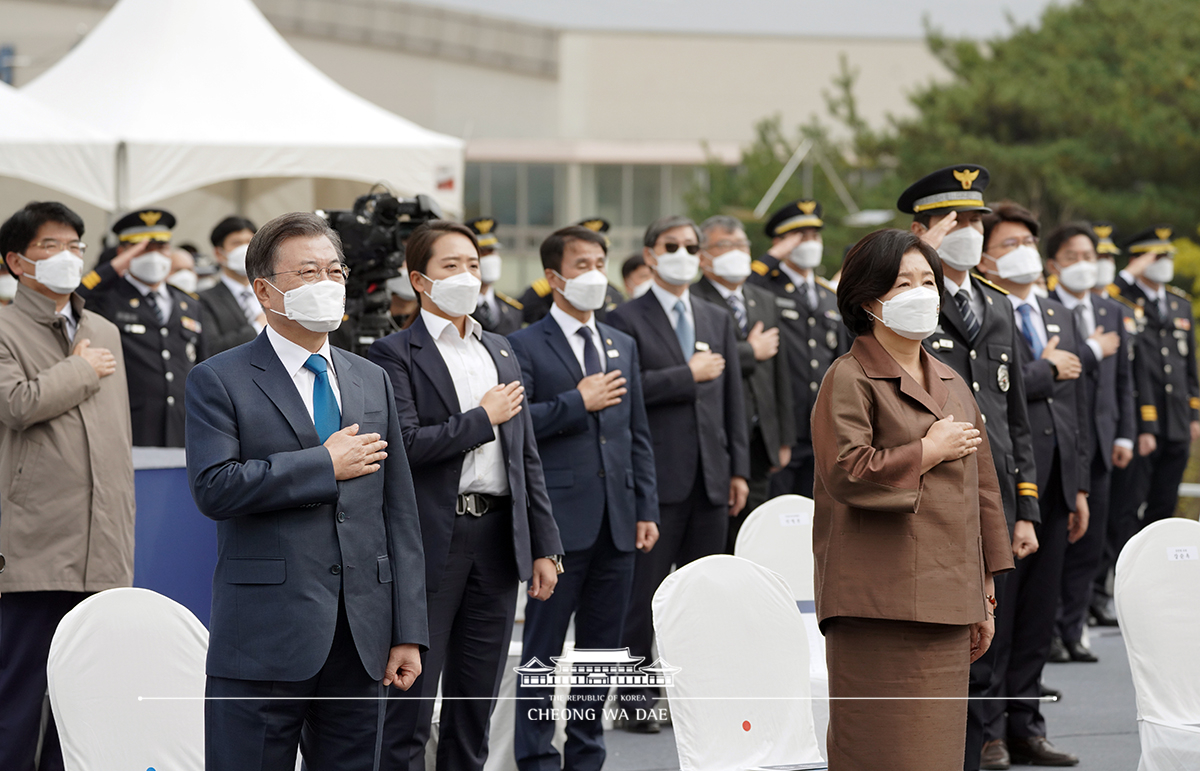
point(66, 467)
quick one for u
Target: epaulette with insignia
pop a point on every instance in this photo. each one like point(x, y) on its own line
point(91, 280)
point(541, 287)
point(759, 267)
point(511, 301)
point(1177, 291)
point(1113, 290)
point(999, 289)
point(826, 284)
point(1125, 301)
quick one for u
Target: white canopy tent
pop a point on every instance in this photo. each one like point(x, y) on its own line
point(48, 147)
point(205, 91)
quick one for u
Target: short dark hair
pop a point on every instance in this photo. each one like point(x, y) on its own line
point(663, 224)
point(227, 227)
point(419, 248)
point(1064, 233)
point(19, 230)
point(634, 262)
point(556, 244)
point(870, 271)
point(1007, 211)
point(264, 247)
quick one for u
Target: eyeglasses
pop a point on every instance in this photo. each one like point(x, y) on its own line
point(673, 247)
point(1013, 243)
point(338, 273)
point(54, 246)
point(726, 244)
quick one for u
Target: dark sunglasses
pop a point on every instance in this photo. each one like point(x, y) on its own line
point(691, 248)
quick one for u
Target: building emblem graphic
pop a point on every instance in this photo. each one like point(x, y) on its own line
point(596, 667)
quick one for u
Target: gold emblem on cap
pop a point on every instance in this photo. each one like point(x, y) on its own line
point(966, 177)
point(593, 225)
point(807, 207)
point(151, 218)
point(1163, 233)
point(1103, 231)
point(485, 226)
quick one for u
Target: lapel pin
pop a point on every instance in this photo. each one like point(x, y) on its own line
point(701, 346)
point(504, 353)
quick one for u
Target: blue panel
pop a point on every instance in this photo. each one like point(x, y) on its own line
point(176, 546)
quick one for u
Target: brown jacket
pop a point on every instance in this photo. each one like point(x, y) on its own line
point(66, 464)
point(890, 542)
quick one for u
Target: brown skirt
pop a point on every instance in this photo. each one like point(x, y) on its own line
point(877, 659)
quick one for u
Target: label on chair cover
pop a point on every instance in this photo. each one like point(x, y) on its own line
point(1177, 553)
point(793, 519)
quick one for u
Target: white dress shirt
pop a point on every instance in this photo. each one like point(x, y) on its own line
point(244, 294)
point(1039, 326)
point(70, 324)
point(668, 300)
point(805, 284)
point(162, 297)
point(474, 374)
point(489, 298)
point(570, 327)
point(726, 292)
point(292, 357)
point(1089, 317)
point(974, 299)
point(1156, 296)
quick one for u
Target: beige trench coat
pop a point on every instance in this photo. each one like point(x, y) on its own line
point(66, 461)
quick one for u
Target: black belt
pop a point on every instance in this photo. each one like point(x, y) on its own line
point(478, 504)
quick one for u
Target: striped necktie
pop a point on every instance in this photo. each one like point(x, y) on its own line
point(969, 318)
point(738, 306)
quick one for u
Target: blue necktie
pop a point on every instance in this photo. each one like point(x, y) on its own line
point(684, 331)
point(326, 416)
point(1031, 335)
point(591, 359)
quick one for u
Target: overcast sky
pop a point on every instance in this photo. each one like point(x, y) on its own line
point(853, 18)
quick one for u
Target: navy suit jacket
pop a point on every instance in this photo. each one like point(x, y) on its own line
point(698, 428)
point(437, 433)
point(289, 535)
point(592, 460)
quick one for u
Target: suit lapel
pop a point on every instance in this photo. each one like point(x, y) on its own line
point(657, 321)
point(558, 343)
point(281, 390)
point(350, 386)
point(507, 370)
point(428, 358)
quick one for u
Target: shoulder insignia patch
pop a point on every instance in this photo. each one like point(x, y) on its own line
point(514, 303)
point(759, 267)
point(91, 280)
point(541, 287)
point(1177, 291)
point(826, 284)
point(983, 280)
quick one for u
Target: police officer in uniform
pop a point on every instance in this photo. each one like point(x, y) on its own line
point(813, 332)
point(496, 311)
point(537, 299)
point(1167, 390)
point(977, 336)
point(161, 326)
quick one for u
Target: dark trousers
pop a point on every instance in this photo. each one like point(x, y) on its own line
point(797, 477)
point(334, 717)
point(760, 486)
point(987, 679)
point(594, 587)
point(1033, 604)
point(27, 624)
point(1082, 559)
point(470, 624)
point(688, 530)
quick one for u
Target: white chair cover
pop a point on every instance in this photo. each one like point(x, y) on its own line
point(778, 536)
point(1157, 594)
point(741, 695)
point(108, 654)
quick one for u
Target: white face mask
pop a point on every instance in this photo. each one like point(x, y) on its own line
point(586, 291)
point(961, 249)
point(807, 254)
point(8, 287)
point(60, 274)
point(185, 280)
point(641, 289)
point(455, 296)
point(1079, 276)
point(489, 268)
point(1106, 272)
point(677, 267)
point(236, 259)
point(1022, 265)
point(402, 287)
point(317, 307)
point(912, 314)
point(150, 267)
point(732, 266)
point(1161, 270)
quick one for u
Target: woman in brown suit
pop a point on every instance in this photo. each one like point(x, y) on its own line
point(908, 527)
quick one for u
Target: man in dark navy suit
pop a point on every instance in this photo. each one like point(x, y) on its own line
point(1072, 257)
point(1049, 355)
point(319, 590)
point(585, 396)
point(485, 516)
point(697, 419)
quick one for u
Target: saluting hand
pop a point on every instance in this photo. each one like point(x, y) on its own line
point(101, 359)
point(604, 389)
point(934, 235)
point(353, 455)
point(120, 263)
point(503, 402)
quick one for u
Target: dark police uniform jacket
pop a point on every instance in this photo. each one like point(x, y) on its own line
point(158, 357)
point(989, 366)
point(537, 299)
point(508, 319)
point(813, 338)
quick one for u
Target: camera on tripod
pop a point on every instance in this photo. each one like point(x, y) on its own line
point(373, 234)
